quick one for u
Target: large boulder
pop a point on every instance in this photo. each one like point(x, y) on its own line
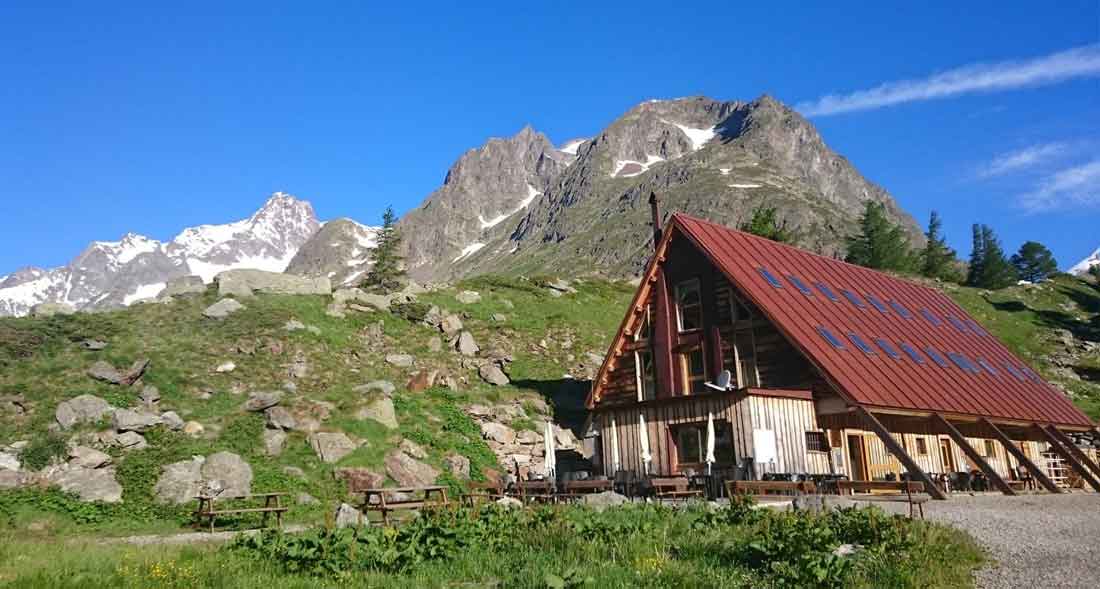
point(103, 371)
point(491, 373)
point(90, 484)
point(380, 410)
point(348, 517)
point(9, 461)
point(261, 401)
point(231, 470)
point(458, 464)
point(183, 285)
point(359, 478)
point(222, 309)
point(12, 479)
point(408, 471)
point(468, 297)
point(498, 432)
point(400, 360)
point(466, 344)
point(383, 386)
point(128, 420)
point(244, 283)
point(451, 324)
point(85, 457)
point(330, 447)
point(81, 409)
point(274, 440)
point(601, 501)
point(181, 482)
point(280, 418)
point(51, 309)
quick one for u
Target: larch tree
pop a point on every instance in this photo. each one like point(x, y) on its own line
point(937, 260)
point(765, 223)
point(387, 271)
point(989, 268)
point(880, 244)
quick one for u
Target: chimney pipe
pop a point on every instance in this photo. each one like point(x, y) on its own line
point(655, 209)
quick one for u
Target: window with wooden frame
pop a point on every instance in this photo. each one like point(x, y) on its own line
point(989, 450)
point(645, 375)
point(693, 364)
point(922, 447)
point(689, 305)
point(691, 443)
point(817, 442)
point(644, 329)
point(744, 343)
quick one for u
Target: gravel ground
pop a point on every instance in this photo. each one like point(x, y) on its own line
point(1038, 541)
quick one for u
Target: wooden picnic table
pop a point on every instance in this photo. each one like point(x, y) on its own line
point(272, 504)
point(574, 490)
point(534, 491)
point(890, 492)
point(761, 488)
point(673, 488)
point(429, 496)
point(483, 492)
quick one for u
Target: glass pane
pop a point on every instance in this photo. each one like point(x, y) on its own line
point(723, 443)
point(772, 280)
point(901, 309)
point(801, 286)
point(853, 298)
point(862, 345)
point(931, 317)
point(829, 337)
point(889, 349)
point(877, 304)
point(828, 292)
point(690, 446)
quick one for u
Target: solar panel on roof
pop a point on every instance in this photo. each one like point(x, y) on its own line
point(931, 317)
point(913, 353)
point(828, 292)
point(977, 329)
point(862, 345)
point(829, 337)
point(988, 367)
point(1015, 372)
point(900, 309)
point(877, 304)
point(801, 286)
point(854, 298)
point(936, 357)
point(772, 280)
point(959, 325)
point(962, 362)
point(889, 349)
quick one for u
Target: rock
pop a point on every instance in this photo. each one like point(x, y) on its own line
point(435, 344)
point(172, 420)
point(451, 325)
point(601, 501)
point(103, 371)
point(222, 309)
point(421, 380)
point(383, 386)
point(498, 432)
point(468, 297)
point(294, 471)
point(466, 344)
point(492, 374)
point(280, 418)
point(89, 484)
point(231, 470)
point(499, 317)
point(407, 471)
point(150, 395)
point(412, 449)
point(359, 478)
point(11, 479)
point(51, 309)
point(85, 457)
point(128, 420)
point(337, 311)
point(330, 447)
point(225, 367)
point(245, 283)
point(479, 411)
point(509, 502)
point(846, 550)
point(81, 409)
point(508, 304)
point(16, 405)
point(130, 441)
point(458, 465)
point(93, 345)
point(274, 439)
point(564, 438)
point(299, 368)
point(434, 317)
point(179, 482)
point(400, 360)
point(561, 287)
point(182, 286)
point(9, 461)
point(348, 517)
point(260, 401)
point(528, 437)
point(305, 499)
point(294, 325)
point(380, 410)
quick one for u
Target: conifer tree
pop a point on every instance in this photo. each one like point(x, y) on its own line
point(1034, 262)
point(1094, 271)
point(765, 223)
point(388, 270)
point(989, 268)
point(937, 259)
point(880, 244)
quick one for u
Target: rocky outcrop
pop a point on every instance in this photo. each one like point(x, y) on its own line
point(380, 410)
point(81, 409)
point(51, 309)
point(90, 484)
point(181, 482)
point(183, 285)
point(408, 471)
point(245, 283)
point(222, 309)
point(340, 251)
point(330, 447)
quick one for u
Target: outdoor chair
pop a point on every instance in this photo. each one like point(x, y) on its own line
point(625, 482)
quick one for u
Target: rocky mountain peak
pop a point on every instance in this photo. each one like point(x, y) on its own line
point(340, 251)
point(1082, 267)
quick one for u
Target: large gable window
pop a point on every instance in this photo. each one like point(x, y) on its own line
point(689, 305)
point(645, 375)
point(694, 365)
point(744, 343)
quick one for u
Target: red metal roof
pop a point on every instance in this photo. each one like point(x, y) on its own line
point(879, 381)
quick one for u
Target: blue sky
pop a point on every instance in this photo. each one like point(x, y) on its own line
point(119, 116)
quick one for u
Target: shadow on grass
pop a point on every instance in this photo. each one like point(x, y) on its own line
point(1081, 330)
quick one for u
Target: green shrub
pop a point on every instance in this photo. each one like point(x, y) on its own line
point(412, 311)
point(42, 450)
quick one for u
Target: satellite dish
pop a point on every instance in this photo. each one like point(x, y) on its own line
point(722, 382)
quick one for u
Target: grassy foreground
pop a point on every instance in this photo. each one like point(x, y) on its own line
point(637, 546)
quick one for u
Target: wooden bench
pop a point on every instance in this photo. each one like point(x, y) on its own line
point(483, 493)
point(534, 491)
point(574, 490)
point(272, 504)
point(676, 488)
point(762, 488)
point(888, 491)
point(375, 500)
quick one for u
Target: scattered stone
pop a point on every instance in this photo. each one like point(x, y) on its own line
point(408, 471)
point(51, 309)
point(280, 418)
point(306, 499)
point(93, 345)
point(435, 344)
point(179, 482)
point(509, 502)
point(601, 501)
point(348, 517)
point(380, 410)
point(184, 285)
point(299, 368)
point(421, 380)
point(262, 400)
point(16, 405)
point(498, 432)
point(11, 479)
point(90, 484)
point(294, 471)
point(560, 287)
point(234, 473)
point(400, 360)
point(383, 386)
point(330, 447)
point(226, 367)
point(150, 395)
point(528, 437)
point(128, 420)
point(81, 409)
point(468, 297)
point(222, 309)
point(336, 311)
point(9, 461)
point(193, 429)
point(130, 441)
point(359, 478)
point(451, 325)
point(103, 371)
point(85, 457)
point(846, 550)
point(412, 449)
point(479, 411)
point(458, 465)
point(244, 283)
point(492, 374)
point(274, 439)
point(172, 420)
point(499, 317)
point(466, 344)
point(294, 325)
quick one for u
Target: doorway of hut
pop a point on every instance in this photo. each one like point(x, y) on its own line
point(857, 458)
point(947, 455)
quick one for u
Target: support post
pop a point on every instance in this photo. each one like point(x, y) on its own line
point(971, 453)
point(1011, 448)
point(1068, 456)
point(895, 448)
point(1068, 443)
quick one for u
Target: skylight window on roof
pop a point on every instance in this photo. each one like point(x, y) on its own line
point(801, 286)
point(828, 292)
point(931, 317)
point(936, 357)
point(772, 280)
point(1030, 374)
point(829, 337)
point(988, 367)
point(888, 348)
point(914, 355)
point(977, 329)
point(1015, 372)
point(962, 362)
point(853, 298)
point(862, 345)
point(901, 310)
point(877, 304)
point(959, 325)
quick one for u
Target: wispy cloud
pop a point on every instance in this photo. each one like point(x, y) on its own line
point(1079, 62)
point(1021, 159)
point(1071, 187)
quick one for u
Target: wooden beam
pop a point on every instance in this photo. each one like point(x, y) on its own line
point(1068, 443)
point(1068, 456)
point(1011, 448)
point(971, 453)
point(895, 448)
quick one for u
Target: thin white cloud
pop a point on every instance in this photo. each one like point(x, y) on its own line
point(1078, 186)
point(1080, 62)
point(1021, 159)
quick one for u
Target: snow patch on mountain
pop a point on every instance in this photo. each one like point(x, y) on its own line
point(1083, 266)
point(631, 168)
point(468, 251)
point(523, 204)
point(572, 146)
point(698, 137)
point(145, 291)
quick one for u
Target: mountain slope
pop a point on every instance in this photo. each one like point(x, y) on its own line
point(111, 274)
point(339, 251)
point(1083, 266)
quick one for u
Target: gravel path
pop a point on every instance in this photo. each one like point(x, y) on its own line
point(1038, 541)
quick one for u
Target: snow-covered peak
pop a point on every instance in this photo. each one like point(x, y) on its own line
point(1083, 266)
point(572, 146)
point(129, 247)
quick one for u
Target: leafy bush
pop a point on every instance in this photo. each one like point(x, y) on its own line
point(42, 450)
point(52, 501)
point(412, 311)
